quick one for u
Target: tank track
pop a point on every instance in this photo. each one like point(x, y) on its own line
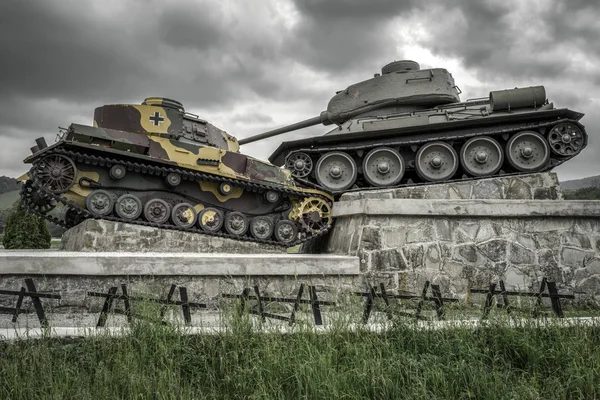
point(444, 137)
point(31, 186)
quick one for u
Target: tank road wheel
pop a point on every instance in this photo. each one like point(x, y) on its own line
point(100, 203)
point(383, 167)
point(286, 231)
point(336, 171)
point(128, 207)
point(436, 161)
point(527, 151)
point(211, 219)
point(236, 223)
point(481, 156)
point(565, 139)
point(56, 173)
point(157, 211)
point(299, 163)
point(262, 227)
point(117, 171)
point(173, 179)
point(184, 215)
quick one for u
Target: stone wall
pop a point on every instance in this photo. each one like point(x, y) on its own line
point(206, 277)
point(101, 235)
point(465, 243)
point(513, 187)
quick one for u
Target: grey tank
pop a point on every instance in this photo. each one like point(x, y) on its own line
point(407, 126)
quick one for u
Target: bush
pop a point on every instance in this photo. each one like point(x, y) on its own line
point(588, 193)
point(24, 230)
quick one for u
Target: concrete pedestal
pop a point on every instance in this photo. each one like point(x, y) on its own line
point(471, 233)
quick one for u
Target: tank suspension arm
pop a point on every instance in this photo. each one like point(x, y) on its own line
point(298, 125)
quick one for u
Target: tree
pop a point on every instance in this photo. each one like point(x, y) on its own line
point(24, 230)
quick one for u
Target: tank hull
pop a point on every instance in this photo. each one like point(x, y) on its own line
point(156, 181)
point(454, 129)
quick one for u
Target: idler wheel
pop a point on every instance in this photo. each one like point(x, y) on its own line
point(211, 219)
point(100, 203)
point(436, 162)
point(128, 207)
point(117, 171)
point(236, 223)
point(481, 156)
point(566, 139)
point(184, 215)
point(527, 151)
point(157, 211)
point(261, 227)
point(299, 163)
point(56, 173)
point(383, 167)
point(286, 231)
point(36, 200)
point(336, 171)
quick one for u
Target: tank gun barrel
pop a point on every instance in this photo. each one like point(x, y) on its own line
point(298, 125)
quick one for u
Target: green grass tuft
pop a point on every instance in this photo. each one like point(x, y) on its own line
point(156, 361)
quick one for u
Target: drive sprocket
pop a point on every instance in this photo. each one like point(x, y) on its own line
point(313, 213)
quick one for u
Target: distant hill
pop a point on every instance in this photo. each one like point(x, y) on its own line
point(8, 184)
point(8, 199)
point(590, 181)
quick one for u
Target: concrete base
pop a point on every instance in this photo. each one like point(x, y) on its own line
point(206, 277)
point(465, 242)
point(100, 236)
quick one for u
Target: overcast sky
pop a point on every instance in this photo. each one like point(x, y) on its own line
point(249, 66)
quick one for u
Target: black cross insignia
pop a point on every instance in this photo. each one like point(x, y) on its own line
point(156, 118)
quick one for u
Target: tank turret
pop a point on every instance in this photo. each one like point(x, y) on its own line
point(159, 116)
point(154, 164)
point(401, 86)
point(407, 125)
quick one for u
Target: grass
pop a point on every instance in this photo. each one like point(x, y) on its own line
point(159, 362)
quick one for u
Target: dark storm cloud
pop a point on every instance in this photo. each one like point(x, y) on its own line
point(490, 37)
point(339, 36)
point(191, 30)
point(58, 52)
point(245, 64)
point(252, 118)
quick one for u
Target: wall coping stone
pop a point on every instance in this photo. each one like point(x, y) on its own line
point(468, 208)
point(32, 262)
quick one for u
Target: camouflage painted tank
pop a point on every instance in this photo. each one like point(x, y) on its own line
point(407, 126)
point(154, 164)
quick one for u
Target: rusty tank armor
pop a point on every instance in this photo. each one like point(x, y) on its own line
point(155, 164)
point(407, 126)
